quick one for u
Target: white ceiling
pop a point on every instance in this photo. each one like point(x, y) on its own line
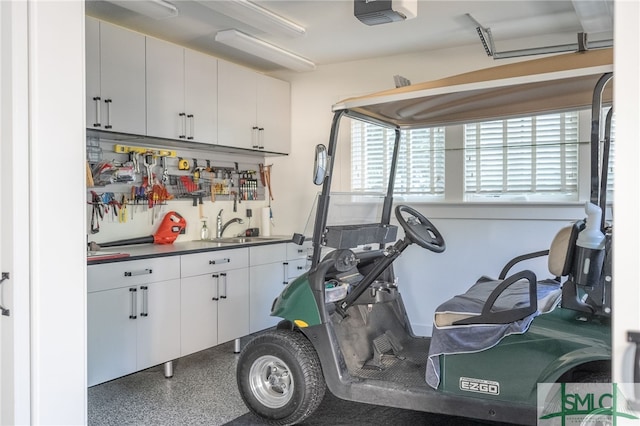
point(334, 35)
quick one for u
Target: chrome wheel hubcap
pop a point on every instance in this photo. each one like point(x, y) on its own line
point(270, 381)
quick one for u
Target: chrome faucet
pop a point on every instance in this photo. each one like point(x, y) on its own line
point(219, 224)
point(220, 227)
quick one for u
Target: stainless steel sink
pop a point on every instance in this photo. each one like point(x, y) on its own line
point(240, 240)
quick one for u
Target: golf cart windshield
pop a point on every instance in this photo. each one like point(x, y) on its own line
point(354, 220)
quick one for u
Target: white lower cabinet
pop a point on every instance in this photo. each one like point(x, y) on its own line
point(214, 299)
point(133, 317)
point(111, 335)
point(271, 268)
point(146, 312)
point(215, 309)
point(265, 282)
point(158, 323)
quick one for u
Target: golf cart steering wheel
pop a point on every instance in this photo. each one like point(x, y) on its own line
point(419, 229)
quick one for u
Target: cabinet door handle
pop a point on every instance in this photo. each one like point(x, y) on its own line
point(4, 311)
point(285, 273)
point(183, 129)
point(224, 285)
point(134, 303)
point(145, 301)
point(192, 125)
point(254, 137)
point(261, 138)
point(142, 272)
point(219, 261)
point(108, 102)
point(97, 100)
point(217, 285)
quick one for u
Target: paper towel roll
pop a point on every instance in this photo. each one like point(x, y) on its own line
point(266, 222)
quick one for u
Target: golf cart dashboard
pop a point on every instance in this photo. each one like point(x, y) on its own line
point(350, 236)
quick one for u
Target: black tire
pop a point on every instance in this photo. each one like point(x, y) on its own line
point(280, 378)
point(596, 377)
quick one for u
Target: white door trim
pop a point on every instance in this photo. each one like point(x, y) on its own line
point(15, 374)
point(57, 192)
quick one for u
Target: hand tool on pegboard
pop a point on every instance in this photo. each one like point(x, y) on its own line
point(183, 164)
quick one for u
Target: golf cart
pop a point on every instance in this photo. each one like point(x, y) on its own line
point(344, 326)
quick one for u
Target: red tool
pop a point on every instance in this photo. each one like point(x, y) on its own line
point(171, 226)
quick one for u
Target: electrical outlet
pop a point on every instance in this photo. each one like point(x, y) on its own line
point(249, 213)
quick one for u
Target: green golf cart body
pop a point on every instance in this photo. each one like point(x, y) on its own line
point(360, 344)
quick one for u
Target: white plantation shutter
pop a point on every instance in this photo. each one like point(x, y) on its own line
point(612, 153)
point(420, 169)
point(528, 155)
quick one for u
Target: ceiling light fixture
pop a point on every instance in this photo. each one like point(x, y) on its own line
point(264, 50)
point(256, 16)
point(156, 9)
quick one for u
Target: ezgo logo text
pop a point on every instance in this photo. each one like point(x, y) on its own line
point(479, 385)
point(584, 404)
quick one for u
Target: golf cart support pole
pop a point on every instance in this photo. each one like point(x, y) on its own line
point(596, 106)
point(605, 166)
point(323, 201)
point(388, 199)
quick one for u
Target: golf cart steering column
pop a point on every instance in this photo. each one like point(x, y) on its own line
point(390, 254)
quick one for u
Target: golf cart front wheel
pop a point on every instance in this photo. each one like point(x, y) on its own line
point(280, 378)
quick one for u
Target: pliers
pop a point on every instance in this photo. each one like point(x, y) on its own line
point(97, 212)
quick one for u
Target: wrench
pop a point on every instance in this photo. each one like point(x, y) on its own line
point(165, 171)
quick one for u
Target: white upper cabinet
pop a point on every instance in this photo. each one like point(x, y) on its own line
point(254, 110)
point(92, 74)
point(145, 86)
point(273, 112)
point(181, 93)
point(166, 117)
point(201, 96)
point(236, 106)
point(115, 62)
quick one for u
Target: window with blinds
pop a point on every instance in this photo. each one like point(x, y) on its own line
point(612, 152)
point(420, 168)
point(523, 156)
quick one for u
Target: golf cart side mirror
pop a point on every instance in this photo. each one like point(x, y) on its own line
point(320, 164)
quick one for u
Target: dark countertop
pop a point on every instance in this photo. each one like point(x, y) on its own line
point(145, 251)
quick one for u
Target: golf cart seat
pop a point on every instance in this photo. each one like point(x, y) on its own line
point(493, 309)
point(505, 300)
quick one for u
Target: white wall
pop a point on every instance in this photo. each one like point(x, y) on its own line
point(56, 221)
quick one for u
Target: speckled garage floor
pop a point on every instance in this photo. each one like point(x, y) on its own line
point(203, 391)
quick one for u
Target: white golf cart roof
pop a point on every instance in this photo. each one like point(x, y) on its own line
point(550, 84)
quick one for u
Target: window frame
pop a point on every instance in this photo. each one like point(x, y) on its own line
point(435, 142)
point(454, 162)
point(521, 142)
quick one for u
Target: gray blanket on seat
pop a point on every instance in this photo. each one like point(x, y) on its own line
point(456, 339)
